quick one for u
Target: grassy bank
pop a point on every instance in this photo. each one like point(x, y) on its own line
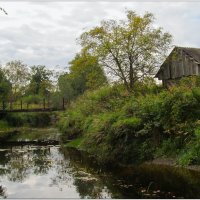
point(151, 122)
point(25, 119)
point(10, 123)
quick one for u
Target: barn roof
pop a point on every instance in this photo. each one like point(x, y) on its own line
point(191, 52)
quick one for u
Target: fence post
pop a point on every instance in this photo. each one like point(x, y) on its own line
point(63, 106)
point(44, 104)
point(21, 104)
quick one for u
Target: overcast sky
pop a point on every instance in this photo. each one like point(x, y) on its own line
point(45, 33)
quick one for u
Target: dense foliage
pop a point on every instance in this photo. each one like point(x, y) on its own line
point(17, 73)
point(22, 82)
point(40, 81)
point(10, 120)
point(33, 84)
point(129, 49)
point(5, 87)
point(85, 73)
point(116, 126)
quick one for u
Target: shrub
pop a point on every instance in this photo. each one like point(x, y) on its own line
point(191, 154)
point(169, 147)
point(28, 119)
point(4, 124)
point(125, 126)
point(33, 99)
point(196, 93)
point(128, 128)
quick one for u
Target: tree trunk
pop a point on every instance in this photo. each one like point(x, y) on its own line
point(131, 80)
point(127, 86)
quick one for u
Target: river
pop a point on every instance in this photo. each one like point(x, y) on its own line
point(51, 171)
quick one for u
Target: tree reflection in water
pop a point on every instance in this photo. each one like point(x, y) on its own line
point(19, 164)
point(69, 171)
point(3, 192)
point(51, 170)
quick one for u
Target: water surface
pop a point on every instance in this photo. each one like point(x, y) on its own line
point(53, 172)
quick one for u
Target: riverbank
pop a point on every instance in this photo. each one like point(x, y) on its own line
point(35, 119)
point(172, 162)
point(118, 127)
point(27, 127)
point(27, 135)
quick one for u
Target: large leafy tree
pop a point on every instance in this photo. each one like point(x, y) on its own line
point(5, 86)
point(85, 74)
point(65, 87)
point(130, 49)
point(17, 73)
point(40, 81)
point(86, 70)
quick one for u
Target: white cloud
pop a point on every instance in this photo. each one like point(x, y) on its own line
point(46, 32)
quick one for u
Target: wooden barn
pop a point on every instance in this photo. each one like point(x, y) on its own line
point(181, 62)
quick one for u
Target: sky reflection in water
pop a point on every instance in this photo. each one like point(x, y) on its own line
point(43, 172)
point(53, 172)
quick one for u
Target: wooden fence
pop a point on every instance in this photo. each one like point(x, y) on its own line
point(20, 106)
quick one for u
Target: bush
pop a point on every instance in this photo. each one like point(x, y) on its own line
point(191, 154)
point(28, 119)
point(129, 128)
point(33, 99)
point(125, 126)
point(3, 124)
point(169, 147)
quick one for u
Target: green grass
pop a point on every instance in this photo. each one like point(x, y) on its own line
point(116, 126)
point(28, 119)
point(4, 125)
point(5, 129)
point(76, 143)
point(35, 134)
point(27, 127)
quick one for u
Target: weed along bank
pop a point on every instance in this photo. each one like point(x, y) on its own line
point(120, 128)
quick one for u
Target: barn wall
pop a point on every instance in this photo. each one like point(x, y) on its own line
point(183, 65)
point(191, 66)
point(177, 65)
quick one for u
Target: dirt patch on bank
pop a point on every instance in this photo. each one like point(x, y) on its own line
point(172, 162)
